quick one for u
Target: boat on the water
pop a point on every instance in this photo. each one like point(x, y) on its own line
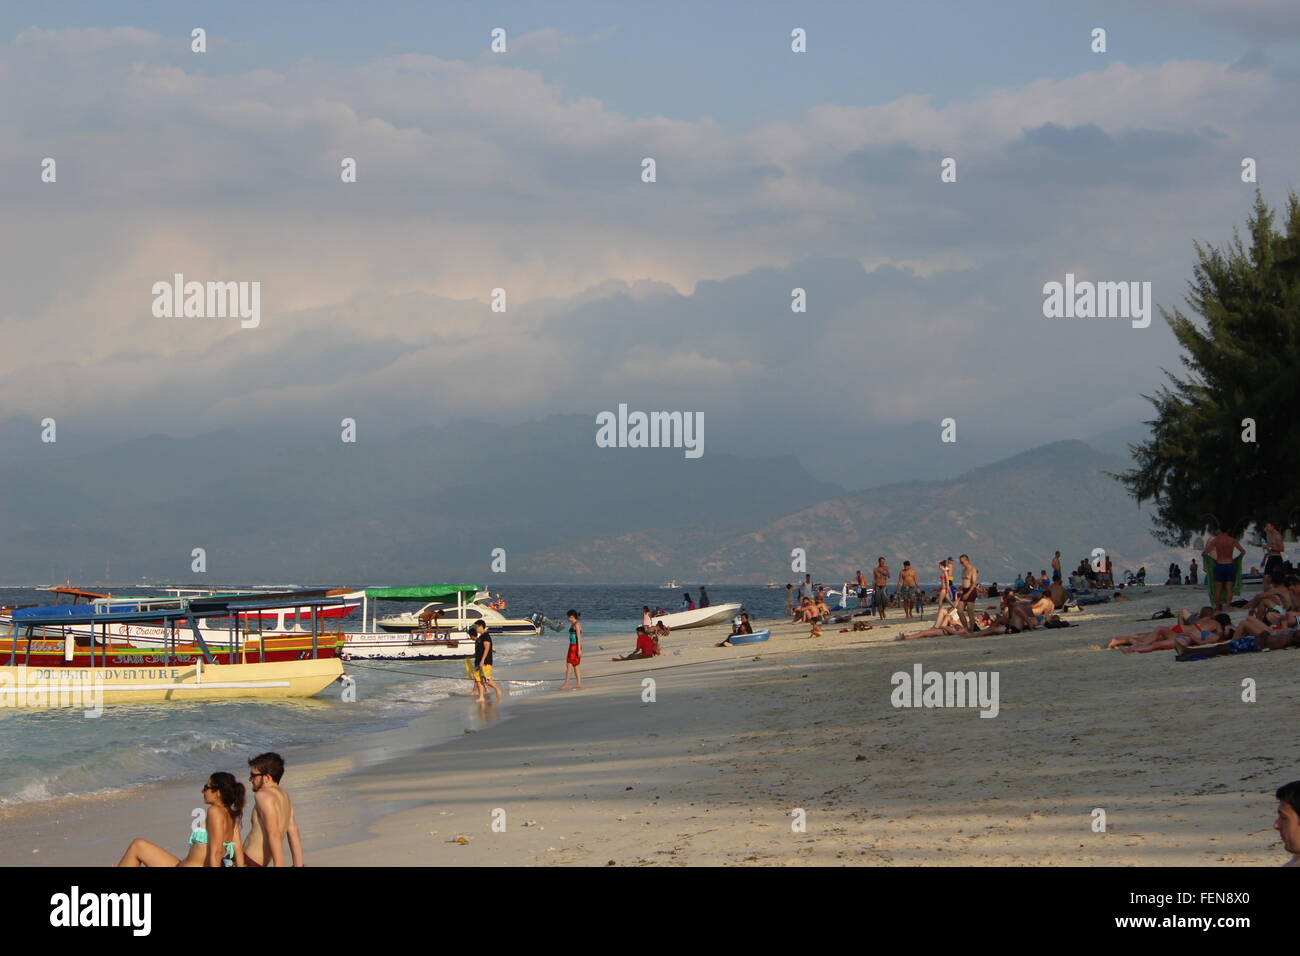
point(670, 586)
point(287, 620)
point(48, 660)
point(699, 617)
point(451, 607)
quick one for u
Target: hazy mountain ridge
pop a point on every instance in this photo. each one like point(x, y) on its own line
point(1010, 516)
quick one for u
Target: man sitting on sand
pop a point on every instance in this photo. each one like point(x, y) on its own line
point(805, 612)
point(1277, 597)
point(741, 626)
point(273, 822)
point(645, 647)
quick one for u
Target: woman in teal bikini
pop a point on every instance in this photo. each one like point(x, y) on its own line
point(574, 657)
point(217, 844)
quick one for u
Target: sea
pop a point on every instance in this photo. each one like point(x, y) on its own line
point(49, 754)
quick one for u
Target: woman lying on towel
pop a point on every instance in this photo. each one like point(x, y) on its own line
point(1252, 636)
point(949, 625)
point(1203, 630)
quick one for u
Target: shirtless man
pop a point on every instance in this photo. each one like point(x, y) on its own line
point(273, 819)
point(1056, 566)
point(1057, 594)
point(1274, 549)
point(880, 582)
point(970, 591)
point(1221, 548)
point(907, 587)
point(1277, 598)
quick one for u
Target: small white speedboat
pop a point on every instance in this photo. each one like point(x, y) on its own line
point(700, 617)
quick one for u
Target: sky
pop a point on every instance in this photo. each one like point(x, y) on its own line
point(522, 171)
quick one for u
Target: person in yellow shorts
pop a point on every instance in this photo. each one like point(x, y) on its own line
point(479, 667)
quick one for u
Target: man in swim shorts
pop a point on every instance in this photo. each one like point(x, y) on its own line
point(880, 584)
point(1221, 548)
point(907, 587)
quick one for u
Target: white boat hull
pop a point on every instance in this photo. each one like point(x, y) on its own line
point(700, 617)
point(387, 646)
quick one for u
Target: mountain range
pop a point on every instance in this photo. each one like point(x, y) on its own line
point(432, 504)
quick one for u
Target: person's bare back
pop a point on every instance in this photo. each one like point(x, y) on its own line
point(273, 825)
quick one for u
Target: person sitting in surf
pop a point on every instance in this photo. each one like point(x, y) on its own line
point(217, 844)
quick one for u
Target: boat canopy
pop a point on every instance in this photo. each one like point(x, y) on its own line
point(428, 593)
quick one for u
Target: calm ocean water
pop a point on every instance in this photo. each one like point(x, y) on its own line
point(54, 753)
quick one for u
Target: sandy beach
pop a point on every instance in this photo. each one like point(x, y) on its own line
point(736, 739)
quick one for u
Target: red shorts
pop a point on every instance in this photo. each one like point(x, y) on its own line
point(574, 657)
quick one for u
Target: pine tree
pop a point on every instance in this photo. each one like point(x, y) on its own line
point(1243, 363)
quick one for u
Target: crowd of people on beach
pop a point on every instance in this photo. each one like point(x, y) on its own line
point(219, 840)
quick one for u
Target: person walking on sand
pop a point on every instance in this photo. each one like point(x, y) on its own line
point(1221, 548)
point(574, 657)
point(483, 661)
point(789, 599)
point(880, 585)
point(1194, 568)
point(1056, 566)
point(970, 591)
point(907, 588)
point(273, 821)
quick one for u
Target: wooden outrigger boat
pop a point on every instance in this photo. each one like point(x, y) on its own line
point(66, 654)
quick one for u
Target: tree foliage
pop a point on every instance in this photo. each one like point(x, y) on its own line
point(1241, 360)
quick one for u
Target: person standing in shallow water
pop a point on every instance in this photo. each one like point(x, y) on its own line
point(574, 658)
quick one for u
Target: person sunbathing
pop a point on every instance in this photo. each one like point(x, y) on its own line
point(949, 625)
point(645, 647)
point(1201, 630)
point(1269, 640)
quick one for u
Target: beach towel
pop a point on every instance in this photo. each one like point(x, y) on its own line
point(1236, 583)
